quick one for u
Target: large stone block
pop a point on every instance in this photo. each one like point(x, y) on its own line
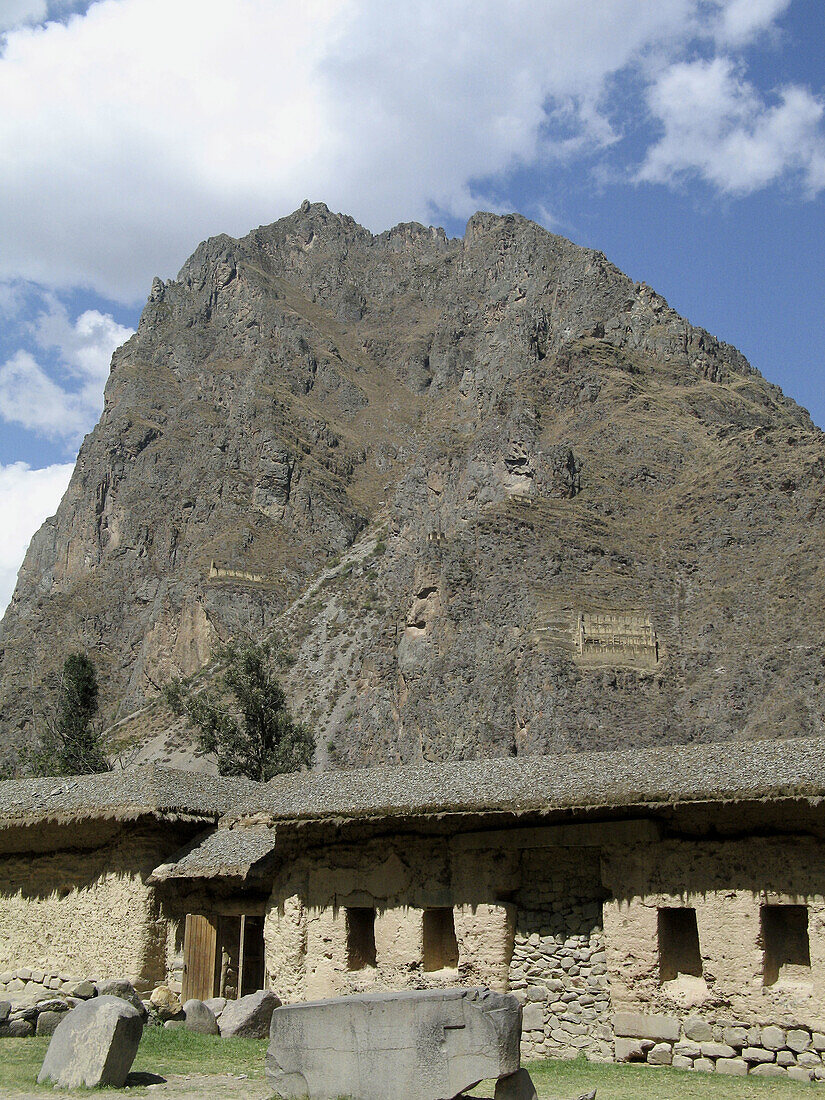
point(769, 1069)
point(758, 1054)
point(635, 1025)
point(773, 1038)
point(660, 1055)
point(424, 1045)
point(698, 1030)
point(93, 1045)
point(632, 1050)
point(800, 1073)
point(47, 1022)
point(717, 1050)
point(83, 990)
point(734, 1067)
point(798, 1040)
point(249, 1016)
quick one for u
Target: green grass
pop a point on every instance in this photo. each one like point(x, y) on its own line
point(165, 1053)
point(570, 1079)
point(181, 1051)
point(161, 1052)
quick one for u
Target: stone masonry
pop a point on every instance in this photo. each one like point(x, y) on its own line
point(558, 969)
point(724, 1046)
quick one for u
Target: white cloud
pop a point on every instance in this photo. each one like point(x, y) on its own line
point(134, 130)
point(30, 396)
point(27, 498)
point(740, 21)
point(84, 347)
point(717, 126)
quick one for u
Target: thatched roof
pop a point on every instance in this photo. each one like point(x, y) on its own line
point(223, 853)
point(629, 779)
point(121, 796)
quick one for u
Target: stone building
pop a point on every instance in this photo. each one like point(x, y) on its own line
point(665, 905)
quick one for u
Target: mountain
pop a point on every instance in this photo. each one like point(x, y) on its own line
point(496, 497)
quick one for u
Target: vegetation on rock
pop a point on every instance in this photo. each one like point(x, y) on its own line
point(244, 718)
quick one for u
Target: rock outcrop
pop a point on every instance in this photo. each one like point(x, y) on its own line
point(496, 497)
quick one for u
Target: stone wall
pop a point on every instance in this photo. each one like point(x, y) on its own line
point(558, 969)
point(306, 927)
point(727, 1046)
point(36, 983)
point(87, 910)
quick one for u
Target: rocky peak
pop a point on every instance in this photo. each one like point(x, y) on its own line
point(495, 497)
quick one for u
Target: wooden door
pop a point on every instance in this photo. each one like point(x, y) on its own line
point(200, 957)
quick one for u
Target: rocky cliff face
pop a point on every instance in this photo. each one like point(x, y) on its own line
point(496, 497)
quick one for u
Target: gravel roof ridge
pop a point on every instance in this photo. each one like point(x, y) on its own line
point(618, 778)
point(127, 793)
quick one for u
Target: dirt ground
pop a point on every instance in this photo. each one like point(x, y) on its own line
point(175, 1086)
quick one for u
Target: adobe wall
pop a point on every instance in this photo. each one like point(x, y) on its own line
point(85, 912)
point(527, 919)
point(726, 1017)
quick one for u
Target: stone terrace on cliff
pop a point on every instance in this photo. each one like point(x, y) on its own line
point(661, 905)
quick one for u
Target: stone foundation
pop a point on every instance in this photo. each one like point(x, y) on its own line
point(722, 1047)
point(28, 982)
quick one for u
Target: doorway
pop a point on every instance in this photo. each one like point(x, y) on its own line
point(223, 955)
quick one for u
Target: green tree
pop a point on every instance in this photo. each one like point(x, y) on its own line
point(245, 722)
point(72, 742)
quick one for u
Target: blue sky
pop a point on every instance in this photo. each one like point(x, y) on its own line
point(683, 138)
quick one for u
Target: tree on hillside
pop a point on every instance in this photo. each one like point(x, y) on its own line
point(72, 742)
point(245, 721)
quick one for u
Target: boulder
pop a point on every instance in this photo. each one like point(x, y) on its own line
point(119, 987)
point(516, 1086)
point(19, 1029)
point(217, 1004)
point(93, 1045)
point(5, 1009)
point(82, 990)
point(165, 1003)
point(424, 1045)
point(200, 1017)
point(47, 1022)
point(249, 1016)
point(633, 1050)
